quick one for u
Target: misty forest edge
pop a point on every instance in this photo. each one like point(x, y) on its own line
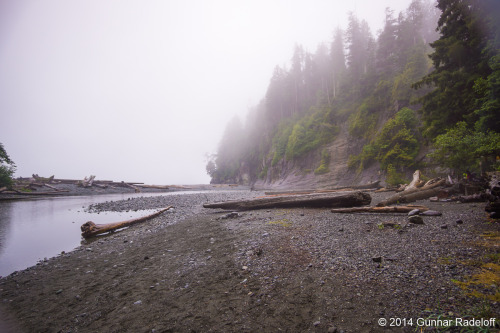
point(422, 95)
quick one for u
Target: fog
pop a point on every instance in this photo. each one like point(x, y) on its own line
point(142, 90)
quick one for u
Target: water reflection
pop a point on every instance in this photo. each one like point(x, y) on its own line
point(31, 230)
point(5, 213)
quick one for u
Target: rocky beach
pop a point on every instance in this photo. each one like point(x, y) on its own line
point(192, 269)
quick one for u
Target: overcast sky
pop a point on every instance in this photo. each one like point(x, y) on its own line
point(141, 90)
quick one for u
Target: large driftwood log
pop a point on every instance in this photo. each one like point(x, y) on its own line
point(90, 229)
point(368, 186)
point(389, 209)
point(430, 189)
point(296, 201)
point(159, 187)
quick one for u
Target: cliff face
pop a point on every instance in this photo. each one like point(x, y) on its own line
point(299, 173)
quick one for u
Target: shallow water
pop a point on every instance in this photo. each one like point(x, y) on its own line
point(31, 230)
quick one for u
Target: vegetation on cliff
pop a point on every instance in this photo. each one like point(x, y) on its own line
point(7, 168)
point(432, 72)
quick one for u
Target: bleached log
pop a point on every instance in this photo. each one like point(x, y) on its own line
point(296, 201)
point(415, 181)
point(90, 229)
point(52, 187)
point(86, 182)
point(429, 190)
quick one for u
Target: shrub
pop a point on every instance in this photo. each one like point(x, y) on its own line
point(325, 161)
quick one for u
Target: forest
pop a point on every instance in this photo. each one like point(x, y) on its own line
point(423, 93)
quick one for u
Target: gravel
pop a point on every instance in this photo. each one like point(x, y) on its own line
point(297, 270)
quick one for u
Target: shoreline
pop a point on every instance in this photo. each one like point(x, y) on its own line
point(306, 270)
point(66, 189)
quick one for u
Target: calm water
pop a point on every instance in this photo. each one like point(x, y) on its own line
point(31, 230)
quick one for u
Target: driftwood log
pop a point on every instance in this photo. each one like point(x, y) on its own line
point(86, 182)
point(430, 189)
point(372, 209)
point(297, 201)
point(90, 229)
point(159, 187)
point(374, 185)
point(35, 193)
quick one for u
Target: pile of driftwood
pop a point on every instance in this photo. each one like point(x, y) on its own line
point(416, 190)
point(31, 186)
point(27, 186)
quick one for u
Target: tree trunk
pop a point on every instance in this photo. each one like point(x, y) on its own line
point(90, 229)
point(296, 201)
point(368, 186)
point(415, 182)
point(372, 209)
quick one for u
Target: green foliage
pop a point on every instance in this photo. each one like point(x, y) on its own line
point(294, 139)
point(396, 144)
point(461, 148)
point(280, 141)
point(394, 178)
point(7, 168)
point(263, 173)
point(325, 162)
point(309, 133)
point(416, 67)
point(362, 123)
point(488, 91)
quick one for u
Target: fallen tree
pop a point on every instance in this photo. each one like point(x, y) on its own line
point(159, 187)
point(375, 209)
point(90, 229)
point(297, 201)
point(430, 189)
point(35, 193)
point(368, 186)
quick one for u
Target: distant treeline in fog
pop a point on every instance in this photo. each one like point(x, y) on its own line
point(430, 78)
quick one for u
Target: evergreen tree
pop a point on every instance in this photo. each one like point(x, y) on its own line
point(459, 61)
point(338, 66)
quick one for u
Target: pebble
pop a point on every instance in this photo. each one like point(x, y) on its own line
point(415, 219)
point(414, 212)
point(431, 213)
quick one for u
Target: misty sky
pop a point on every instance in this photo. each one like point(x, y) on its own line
point(141, 90)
